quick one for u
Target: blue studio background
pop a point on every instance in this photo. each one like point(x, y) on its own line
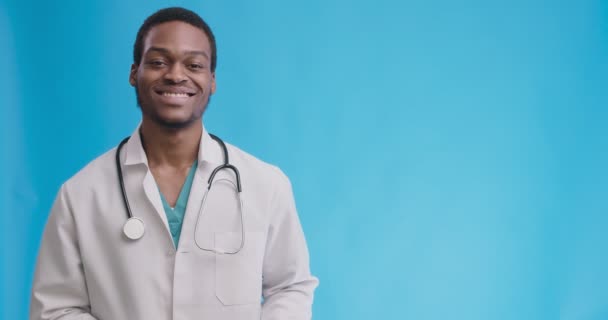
point(449, 158)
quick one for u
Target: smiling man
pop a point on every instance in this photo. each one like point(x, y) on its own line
point(174, 223)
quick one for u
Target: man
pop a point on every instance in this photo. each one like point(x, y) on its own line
point(188, 252)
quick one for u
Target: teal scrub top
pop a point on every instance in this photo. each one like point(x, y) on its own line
point(175, 216)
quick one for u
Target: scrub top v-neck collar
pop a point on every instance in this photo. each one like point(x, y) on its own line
point(175, 215)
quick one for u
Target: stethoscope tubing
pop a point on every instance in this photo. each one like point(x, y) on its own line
point(134, 227)
point(121, 180)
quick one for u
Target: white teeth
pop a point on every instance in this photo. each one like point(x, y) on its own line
point(170, 94)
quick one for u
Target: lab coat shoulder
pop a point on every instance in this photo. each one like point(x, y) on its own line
point(93, 186)
point(95, 175)
point(266, 174)
point(270, 183)
point(266, 180)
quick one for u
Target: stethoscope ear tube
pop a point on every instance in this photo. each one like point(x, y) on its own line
point(198, 216)
point(225, 166)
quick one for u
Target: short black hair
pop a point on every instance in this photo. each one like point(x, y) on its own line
point(173, 14)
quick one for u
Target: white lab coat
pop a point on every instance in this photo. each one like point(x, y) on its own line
point(88, 269)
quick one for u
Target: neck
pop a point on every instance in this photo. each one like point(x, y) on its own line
point(170, 147)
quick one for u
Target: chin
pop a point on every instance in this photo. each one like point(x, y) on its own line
point(175, 123)
point(169, 117)
point(171, 120)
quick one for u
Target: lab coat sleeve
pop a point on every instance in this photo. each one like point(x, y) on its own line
point(288, 285)
point(59, 290)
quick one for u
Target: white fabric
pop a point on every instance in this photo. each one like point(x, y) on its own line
point(88, 269)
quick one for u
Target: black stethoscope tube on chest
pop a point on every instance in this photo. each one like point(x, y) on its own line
point(134, 227)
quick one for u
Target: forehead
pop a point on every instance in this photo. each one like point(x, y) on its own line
point(177, 36)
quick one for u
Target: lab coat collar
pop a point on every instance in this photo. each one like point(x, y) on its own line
point(209, 150)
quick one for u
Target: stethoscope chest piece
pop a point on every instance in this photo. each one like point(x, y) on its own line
point(134, 228)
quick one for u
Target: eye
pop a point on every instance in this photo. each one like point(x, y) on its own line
point(196, 66)
point(156, 63)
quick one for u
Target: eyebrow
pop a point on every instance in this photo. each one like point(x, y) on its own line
point(190, 52)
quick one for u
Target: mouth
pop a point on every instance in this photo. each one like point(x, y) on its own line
point(174, 94)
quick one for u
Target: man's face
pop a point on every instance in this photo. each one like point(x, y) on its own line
point(173, 80)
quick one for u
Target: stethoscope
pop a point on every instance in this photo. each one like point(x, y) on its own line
point(134, 228)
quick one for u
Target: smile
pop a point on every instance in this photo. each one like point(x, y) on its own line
point(178, 95)
point(173, 94)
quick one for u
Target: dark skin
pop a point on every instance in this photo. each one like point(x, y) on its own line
point(173, 82)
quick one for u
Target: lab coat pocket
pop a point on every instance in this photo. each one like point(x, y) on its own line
point(238, 277)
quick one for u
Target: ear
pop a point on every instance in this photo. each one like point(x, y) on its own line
point(133, 75)
point(212, 82)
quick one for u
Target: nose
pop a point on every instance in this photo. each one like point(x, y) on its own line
point(175, 74)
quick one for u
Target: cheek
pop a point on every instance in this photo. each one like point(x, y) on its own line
point(145, 78)
point(205, 82)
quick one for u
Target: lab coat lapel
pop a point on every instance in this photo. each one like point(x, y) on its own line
point(195, 200)
point(134, 157)
point(153, 195)
point(210, 156)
